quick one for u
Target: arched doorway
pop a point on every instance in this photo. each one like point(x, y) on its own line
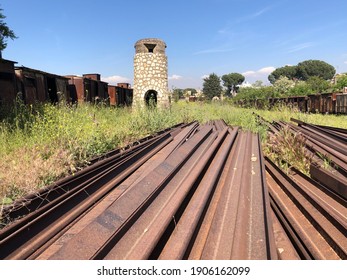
point(151, 98)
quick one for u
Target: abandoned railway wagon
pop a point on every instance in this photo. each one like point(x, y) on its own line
point(8, 87)
point(292, 101)
point(38, 86)
point(120, 95)
point(33, 86)
point(341, 103)
point(88, 88)
point(324, 103)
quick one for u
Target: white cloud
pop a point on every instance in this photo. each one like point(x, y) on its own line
point(266, 70)
point(261, 74)
point(300, 47)
point(175, 77)
point(113, 80)
point(345, 62)
point(204, 76)
point(249, 73)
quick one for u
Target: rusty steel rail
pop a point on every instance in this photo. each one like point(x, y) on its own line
point(284, 245)
point(237, 224)
point(154, 203)
point(319, 151)
point(191, 192)
point(54, 216)
point(333, 150)
point(339, 134)
point(327, 178)
point(49, 194)
point(22, 236)
point(172, 130)
point(142, 239)
point(324, 146)
point(122, 213)
point(312, 216)
point(325, 139)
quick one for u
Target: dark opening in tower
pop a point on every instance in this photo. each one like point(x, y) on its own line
point(150, 47)
point(151, 98)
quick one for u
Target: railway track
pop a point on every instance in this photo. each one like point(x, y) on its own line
point(313, 217)
point(326, 145)
point(310, 213)
point(189, 192)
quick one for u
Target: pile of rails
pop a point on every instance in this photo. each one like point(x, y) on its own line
point(322, 143)
point(311, 211)
point(190, 192)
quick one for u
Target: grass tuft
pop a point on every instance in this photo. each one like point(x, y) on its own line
point(288, 149)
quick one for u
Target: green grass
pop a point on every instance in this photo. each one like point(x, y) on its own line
point(283, 113)
point(288, 149)
point(40, 144)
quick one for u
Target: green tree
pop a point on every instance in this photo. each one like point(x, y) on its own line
point(301, 88)
point(258, 84)
point(212, 86)
point(341, 82)
point(5, 32)
point(191, 90)
point(232, 81)
point(177, 93)
point(318, 68)
point(248, 95)
point(317, 84)
point(283, 85)
point(287, 71)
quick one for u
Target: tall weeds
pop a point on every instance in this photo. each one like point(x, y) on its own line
point(41, 143)
point(288, 149)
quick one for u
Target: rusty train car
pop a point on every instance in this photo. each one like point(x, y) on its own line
point(120, 95)
point(8, 86)
point(87, 88)
point(324, 103)
point(32, 86)
point(38, 86)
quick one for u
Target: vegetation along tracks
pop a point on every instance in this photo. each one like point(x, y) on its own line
point(190, 192)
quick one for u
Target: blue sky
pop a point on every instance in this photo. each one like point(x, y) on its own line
point(252, 37)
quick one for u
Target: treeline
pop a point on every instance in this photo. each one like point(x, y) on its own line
point(284, 87)
point(304, 71)
point(308, 77)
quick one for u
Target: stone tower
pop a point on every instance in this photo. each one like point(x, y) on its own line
point(150, 73)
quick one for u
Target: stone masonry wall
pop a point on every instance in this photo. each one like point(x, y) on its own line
point(150, 73)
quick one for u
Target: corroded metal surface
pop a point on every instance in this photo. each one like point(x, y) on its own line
point(317, 218)
point(191, 192)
